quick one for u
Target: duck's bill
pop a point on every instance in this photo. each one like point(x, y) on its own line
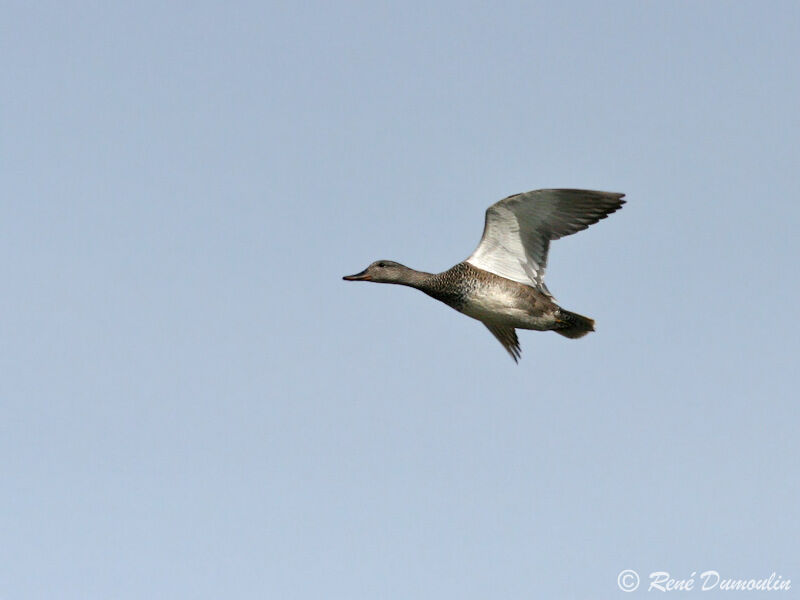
point(358, 276)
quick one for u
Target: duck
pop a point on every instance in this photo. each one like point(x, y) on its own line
point(501, 284)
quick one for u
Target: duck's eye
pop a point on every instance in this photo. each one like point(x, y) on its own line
point(381, 264)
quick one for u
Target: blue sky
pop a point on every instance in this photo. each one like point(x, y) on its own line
point(195, 405)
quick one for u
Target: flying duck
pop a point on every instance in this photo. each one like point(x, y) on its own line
point(502, 283)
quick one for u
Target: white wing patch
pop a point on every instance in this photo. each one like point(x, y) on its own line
point(502, 252)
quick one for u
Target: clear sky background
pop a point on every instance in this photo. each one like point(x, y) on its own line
point(194, 405)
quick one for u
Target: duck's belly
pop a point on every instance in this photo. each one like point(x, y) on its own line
point(507, 309)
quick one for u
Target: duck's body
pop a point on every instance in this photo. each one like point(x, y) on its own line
point(490, 298)
point(502, 283)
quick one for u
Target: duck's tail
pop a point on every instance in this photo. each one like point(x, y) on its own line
point(573, 325)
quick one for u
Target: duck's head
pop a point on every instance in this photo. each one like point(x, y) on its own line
point(381, 271)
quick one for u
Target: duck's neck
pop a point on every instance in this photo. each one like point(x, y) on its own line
point(417, 279)
point(442, 286)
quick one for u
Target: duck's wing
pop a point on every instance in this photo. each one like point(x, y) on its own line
point(518, 230)
point(508, 337)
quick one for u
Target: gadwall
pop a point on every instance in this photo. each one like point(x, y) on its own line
point(502, 283)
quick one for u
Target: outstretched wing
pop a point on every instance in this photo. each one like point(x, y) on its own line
point(518, 230)
point(508, 337)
